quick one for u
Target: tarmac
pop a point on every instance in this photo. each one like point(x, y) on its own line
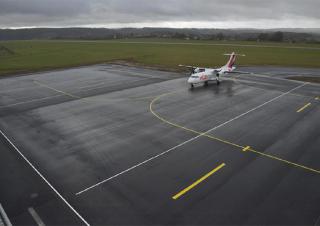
point(123, 145)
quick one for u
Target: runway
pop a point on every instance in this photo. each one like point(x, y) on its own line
point(119, 145)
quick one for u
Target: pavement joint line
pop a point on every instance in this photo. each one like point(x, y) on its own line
point(57, 90)
point(44, 179)
point(36, 216)
point(231, 143)
point(304, 107)
point(4, 216)
point(246, 148)
point(31, 101)
point(194, 184)
point(63, 94)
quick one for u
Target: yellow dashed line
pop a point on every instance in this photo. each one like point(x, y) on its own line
point(182, 192)
point(246, 148)
point(304, 107)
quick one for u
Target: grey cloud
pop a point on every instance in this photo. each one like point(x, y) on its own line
point(83, 12)
point(144, 10)
point(44, 7)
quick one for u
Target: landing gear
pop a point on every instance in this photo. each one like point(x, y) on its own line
point(217, 78)
point(205, 83)
point(191, 85)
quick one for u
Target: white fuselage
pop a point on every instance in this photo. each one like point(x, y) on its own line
point(202, 75)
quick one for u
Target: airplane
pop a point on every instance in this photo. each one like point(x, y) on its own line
point(204, 75)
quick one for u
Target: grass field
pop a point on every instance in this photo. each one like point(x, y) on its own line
point(29, 56)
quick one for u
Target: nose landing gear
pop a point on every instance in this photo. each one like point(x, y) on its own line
point(217, 78)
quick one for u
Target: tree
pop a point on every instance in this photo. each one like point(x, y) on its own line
point(220, 36)
point(277, 36)
point(263, 37)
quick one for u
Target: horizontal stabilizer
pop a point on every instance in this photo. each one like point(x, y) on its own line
point(235, 54)
point(188, 66)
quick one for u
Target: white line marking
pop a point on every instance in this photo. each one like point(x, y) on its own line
point(185, 142)
point(45, 180)
point(139, 164)
point(4, 216)
point(35, 216)
point(57, 90)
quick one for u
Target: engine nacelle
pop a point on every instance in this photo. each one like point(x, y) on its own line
point(216, 73)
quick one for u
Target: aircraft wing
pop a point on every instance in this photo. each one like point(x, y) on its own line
point(187, 66)
point(238, 72)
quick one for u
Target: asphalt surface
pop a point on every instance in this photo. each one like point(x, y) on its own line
point(112, 145)
point(282, 72)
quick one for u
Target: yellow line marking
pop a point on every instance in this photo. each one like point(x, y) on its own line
point(142, 98)
point(304, 107)
point(223, 140)
point(317, 98)
point(182, 192)
point(185, 128)
point(246, 148)
point(285, 161)
point(58, 91)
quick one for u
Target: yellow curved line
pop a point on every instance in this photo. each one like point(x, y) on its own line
point(185, 128)
point(223, 140)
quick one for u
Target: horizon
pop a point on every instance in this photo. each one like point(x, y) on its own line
point(150, 27)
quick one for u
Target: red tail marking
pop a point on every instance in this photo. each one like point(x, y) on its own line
point(231, 60)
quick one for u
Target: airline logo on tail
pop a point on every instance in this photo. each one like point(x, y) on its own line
point(230, 65)
point(204, 75)
point(231, 61)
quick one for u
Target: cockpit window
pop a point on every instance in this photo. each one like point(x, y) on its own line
point(202, 69)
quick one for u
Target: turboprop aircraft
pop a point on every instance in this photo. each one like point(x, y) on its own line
point(204, 75)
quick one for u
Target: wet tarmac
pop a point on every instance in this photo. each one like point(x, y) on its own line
point(118, 145)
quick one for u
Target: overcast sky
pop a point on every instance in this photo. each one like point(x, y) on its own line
point(160, 13)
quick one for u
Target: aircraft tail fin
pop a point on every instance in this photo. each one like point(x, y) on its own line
point(232, 60)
